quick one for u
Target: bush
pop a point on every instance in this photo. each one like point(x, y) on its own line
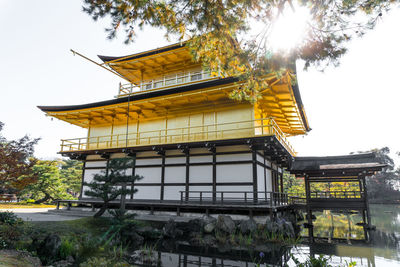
point(9, 235)
point(67, 248)
point(7, 217)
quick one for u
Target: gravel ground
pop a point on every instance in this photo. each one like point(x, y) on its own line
point(40, 215)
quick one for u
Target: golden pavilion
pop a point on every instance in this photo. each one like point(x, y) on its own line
point(187, 136)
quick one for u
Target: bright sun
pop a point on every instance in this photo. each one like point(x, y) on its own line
point(289, 30)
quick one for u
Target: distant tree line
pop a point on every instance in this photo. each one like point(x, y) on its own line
point(38, 180)
point(382, 187)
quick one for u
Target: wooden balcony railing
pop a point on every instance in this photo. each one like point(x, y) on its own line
point(165, 82)
point(301, 199)
point(210, 132)
point(235, 197)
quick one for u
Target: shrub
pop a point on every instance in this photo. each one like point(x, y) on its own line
point(9, 235)
point(8, 217)
point(67, 248)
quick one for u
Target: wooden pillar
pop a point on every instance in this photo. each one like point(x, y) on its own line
point(281, 179)
point(83, 177)
point(162, 176)
point(368, 217)
point(309, 212)
point(255, 182)
point(133, 156)
point(364, 225)
point(187, 179)
point(214, 173)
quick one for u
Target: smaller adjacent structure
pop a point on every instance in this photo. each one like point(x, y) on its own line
point(348, 169)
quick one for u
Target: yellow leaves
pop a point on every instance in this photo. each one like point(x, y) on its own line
point(214, 74)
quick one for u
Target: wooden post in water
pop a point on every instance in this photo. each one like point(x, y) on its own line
point(309, 212)
point(368, 221)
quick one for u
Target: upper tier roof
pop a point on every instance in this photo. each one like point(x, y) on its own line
point(282, 101)
point(152, 63)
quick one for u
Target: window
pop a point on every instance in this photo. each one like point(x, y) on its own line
point(195, 76)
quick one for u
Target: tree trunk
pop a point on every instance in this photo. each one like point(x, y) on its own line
point(101, 210)
point(40, 201)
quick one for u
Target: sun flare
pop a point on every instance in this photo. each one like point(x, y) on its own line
point(289, 29)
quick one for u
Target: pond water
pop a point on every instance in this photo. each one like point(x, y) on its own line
point(383, 250)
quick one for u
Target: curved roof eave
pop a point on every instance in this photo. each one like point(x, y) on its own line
point(106, 59)
point(139, 96)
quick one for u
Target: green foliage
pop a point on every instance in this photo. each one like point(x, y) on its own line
point(71, 175)
point(49, 185)
point(10, 229)
point(10, 235)
point(121, 223)
point(67, 248)
point(381, 186)
point(8, 217)
point(16, 163)
point(219, 32)
point(112, 183)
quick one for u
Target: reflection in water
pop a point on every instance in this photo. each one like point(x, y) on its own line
point(384, 249)
point(330, 224)
point(177, 254)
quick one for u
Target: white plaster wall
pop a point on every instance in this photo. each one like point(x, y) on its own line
point(268, 175)
point(260, 178)
point(91, 164)
point(175, 160)
point(200, 188)
point(197, 159)
point(172, 192)
point(175, 174)
point(205, 196)
point(260, 159)
point(84, 188)
point(267, 163)
point(150, 175)
point(240, 188)
point(231, 173)
point(128, 171)
point(88, 175)
point(148, 161)
point(234, 157)
point(200, 174)
point(147, 192)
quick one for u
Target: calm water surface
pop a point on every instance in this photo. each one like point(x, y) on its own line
point(384, 249)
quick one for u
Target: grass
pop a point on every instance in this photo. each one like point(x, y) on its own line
point(24, 205)
point(88, 225)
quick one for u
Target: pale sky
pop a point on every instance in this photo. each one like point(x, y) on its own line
point(354, 107)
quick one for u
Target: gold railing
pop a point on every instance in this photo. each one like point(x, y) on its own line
point(167, 81)
point(220, 131)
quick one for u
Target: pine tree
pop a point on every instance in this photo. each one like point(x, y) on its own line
point(112, 183)
point(218, 32)
point(49, 184)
